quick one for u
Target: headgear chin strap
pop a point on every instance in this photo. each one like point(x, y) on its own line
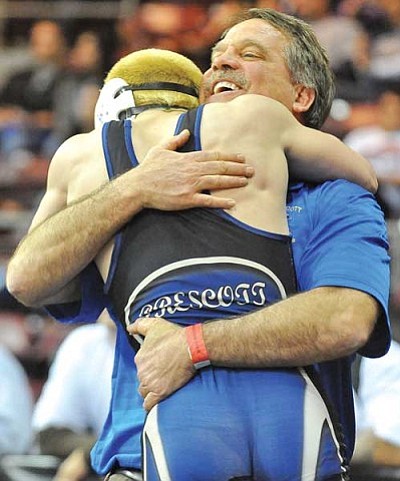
point(116, 101)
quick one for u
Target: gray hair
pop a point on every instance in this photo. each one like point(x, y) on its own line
point(305, 58)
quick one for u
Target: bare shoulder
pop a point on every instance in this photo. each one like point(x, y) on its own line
point(79, 164)
point(80, 145)
point(248, 114)
point(248, 106)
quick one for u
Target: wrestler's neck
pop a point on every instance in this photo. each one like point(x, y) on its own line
point(152, 127)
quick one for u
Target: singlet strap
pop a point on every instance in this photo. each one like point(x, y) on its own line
point(115, 149)
point(191, 120)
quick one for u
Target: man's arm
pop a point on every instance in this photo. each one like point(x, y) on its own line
point(58, 248)
point(341, 240)
point(319, 325)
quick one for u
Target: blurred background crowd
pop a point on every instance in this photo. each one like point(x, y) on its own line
point(53, 58)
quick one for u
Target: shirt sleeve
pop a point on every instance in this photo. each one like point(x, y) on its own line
point(349, 248)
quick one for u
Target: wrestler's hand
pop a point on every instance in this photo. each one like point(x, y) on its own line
point(163, 362)
point(172, 180)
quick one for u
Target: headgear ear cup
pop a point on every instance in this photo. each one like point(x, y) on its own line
point(112, 101)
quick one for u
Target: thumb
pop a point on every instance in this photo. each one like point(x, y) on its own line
point(142, 325)
point(173, 143)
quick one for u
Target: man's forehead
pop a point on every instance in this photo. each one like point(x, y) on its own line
point(255, 30)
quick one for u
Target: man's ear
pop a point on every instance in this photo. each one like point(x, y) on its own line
point(304, 98)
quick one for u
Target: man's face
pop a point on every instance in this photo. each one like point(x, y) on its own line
point(249, 60)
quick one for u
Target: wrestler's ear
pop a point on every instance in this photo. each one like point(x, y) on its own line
point(305, 96)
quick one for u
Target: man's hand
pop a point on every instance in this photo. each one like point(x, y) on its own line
point(73, 468)
point(163, 362)
point(174, 181)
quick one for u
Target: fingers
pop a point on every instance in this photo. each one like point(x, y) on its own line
point(151, 400)
point(227, 168)
point(211, 201)
point(214, 183)
point(143, 390)
point(141, 326)
point(212, 155)
point(176, 141)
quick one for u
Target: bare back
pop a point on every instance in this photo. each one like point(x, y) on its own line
point(270, 192)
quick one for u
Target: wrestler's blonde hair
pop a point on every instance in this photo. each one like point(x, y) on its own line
point(156, 65)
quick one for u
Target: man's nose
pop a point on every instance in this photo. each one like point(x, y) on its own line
point(225, 60)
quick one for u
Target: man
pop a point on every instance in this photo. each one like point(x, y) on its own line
point(341, 337)
point(31, 93)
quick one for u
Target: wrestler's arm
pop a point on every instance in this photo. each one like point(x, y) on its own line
point(317, 156)
point(64, 239)
point(259, 124)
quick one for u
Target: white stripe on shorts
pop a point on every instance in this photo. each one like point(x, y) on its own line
point(315, 415)
point(151, 436)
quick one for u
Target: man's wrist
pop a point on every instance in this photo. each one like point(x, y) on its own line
point(129, 191)
point(196, 346)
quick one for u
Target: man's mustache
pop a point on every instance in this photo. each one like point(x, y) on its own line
point(230, 76)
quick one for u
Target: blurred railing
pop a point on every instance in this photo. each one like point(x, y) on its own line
point(14, 9)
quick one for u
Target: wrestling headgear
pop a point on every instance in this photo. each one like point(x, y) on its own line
point(147, 79)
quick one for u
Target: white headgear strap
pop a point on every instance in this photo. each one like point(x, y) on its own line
point(112, 101)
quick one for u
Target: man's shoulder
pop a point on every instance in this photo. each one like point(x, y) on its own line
point(309, 203)
point(339, 187)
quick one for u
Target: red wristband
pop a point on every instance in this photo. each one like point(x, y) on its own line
point(197, 349)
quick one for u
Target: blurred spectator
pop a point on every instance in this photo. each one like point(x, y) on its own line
point(78, 91)
point(347, 44)
point(73, 405)
point(377, 410)
point(367, 12)
point(385, 49)
point(190, 28)
point(15, 405)
point(27, 98)
point(219, 16)
point(380, 143)
point(168, 25)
